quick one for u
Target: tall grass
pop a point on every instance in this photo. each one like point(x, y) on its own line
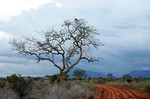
point(68, 90)
point(7, 93)
point(44, 89)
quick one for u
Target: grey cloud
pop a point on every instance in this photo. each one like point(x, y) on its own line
point(126, 24)
point(126, 45)
point(34, 20)
point(108, 33)
point(147, 15)
point(32, 68)
point(49, 15)
point(137, 58)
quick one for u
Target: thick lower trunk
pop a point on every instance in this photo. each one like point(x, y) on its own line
point(61, 78)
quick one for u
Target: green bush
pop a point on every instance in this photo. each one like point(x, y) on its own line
point(79, 73)
point(126, 76)
point(19, 84)
point(2, 83)
point(86, 81)
point(74, 78)
point(53, 78)
point(37, 78)
point(100, 81)
point(67, 79)
point(129, 80)
point(147, 88)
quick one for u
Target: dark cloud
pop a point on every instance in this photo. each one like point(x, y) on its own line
point(126, 44)
point(137, 58)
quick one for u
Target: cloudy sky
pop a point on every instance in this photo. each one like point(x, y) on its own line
point(124, 27)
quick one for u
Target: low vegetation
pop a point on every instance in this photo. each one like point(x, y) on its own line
point(68, 90)
point(17, 87)
point(7, 93)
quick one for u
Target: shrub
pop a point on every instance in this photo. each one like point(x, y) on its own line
point(38, 78)
point(100, 81)
point(147, 88)
point(19, 84)
point(74, 78)
point(129, 80)
point(2, 83)
point(110, 75)
point(86, 81)
point(7, 93)
point(53, 78)
point(126, 76)
point(89, 78)
point(68, 90)
point(79, 73)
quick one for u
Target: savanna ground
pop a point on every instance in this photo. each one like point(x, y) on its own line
point(17, 87)
point(117, 88)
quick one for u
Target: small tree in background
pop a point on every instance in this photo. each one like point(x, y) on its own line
point(79, 73)
point(110, 75)
point(70, 43)
point(126, 76)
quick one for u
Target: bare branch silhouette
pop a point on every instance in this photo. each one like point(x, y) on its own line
point(72, 39)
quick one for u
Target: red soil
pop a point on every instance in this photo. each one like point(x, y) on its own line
point(106, 91)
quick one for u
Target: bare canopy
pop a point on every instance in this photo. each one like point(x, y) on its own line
point(73, 39)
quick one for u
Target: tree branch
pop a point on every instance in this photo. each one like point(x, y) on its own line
point(91, 59)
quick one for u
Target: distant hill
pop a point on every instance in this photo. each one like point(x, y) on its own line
point(89, 73)
point(142, 73)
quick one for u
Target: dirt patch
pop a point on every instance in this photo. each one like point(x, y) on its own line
point(106, 91)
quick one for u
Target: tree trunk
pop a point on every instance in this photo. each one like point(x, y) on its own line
point(61, 78)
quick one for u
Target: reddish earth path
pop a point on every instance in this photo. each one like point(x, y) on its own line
point(115, 92)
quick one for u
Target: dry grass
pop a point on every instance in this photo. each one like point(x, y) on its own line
point(43, 89)
point(68, 90)
point(72, 89)
point(7, 93)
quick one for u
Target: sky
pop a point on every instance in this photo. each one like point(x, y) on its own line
point(124, 27)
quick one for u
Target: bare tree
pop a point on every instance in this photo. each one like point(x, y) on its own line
point(72, 42)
